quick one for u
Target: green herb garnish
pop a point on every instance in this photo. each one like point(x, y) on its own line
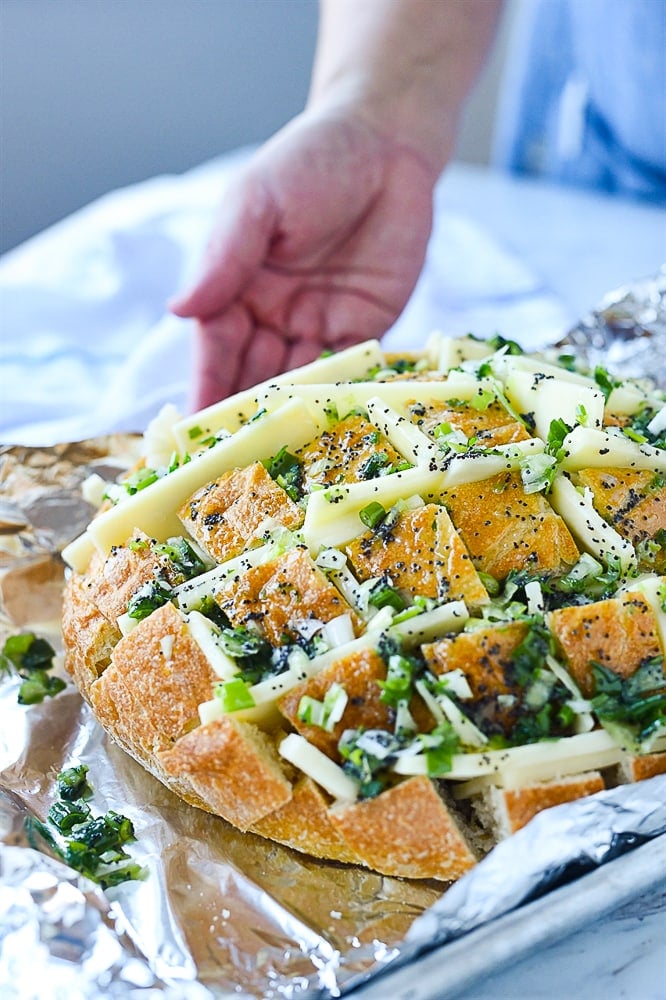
point(372, 515)
point(185, 560)
point(286, 470)
point(32, 659)
point(91, 845)
point(148, 598)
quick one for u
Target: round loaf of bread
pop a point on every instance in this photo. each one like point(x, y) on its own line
point(385, 608)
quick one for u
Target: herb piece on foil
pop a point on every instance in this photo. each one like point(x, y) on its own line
point(91, 845)
point(32, 659)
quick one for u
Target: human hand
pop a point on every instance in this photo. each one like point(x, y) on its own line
point(317, 246)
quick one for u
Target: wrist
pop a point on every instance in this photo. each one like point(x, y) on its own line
point(403, 66)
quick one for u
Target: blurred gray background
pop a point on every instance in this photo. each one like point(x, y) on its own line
point(97, 94)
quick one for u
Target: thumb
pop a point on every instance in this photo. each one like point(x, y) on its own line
point(246, 226)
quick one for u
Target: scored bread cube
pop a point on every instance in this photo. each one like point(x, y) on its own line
point(279, 596)
point(638, 767)
point(407, 830)
point(225, 515)
point(633, 501)
point(619, 633)
point(503, 811)
point(157, 678)
point(304, 824)
point(112, 580)
point(89, 636)
point(359, 674)
point(485, 656)
point(420, 554)
point(490, 427)
point(234, 769)
point(505, 528)
point(352, 450)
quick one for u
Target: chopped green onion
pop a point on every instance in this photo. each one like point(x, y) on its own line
point(372, 515)
point(73, 783)
point(383, 595)
point(234, 695)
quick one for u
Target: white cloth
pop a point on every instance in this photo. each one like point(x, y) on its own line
point(89, 348)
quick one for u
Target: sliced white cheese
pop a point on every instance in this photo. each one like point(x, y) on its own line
point(332, 516)
point(266, 716)
point(404, 435)
point(230, 414)
point(523, 363)
point(126, 624)
point(159, 441)
point(319, 767)
point(204, 634)
point(475, 467)
point(154, 509)
point(346, 396)
point(79, 553)
point(587, 447)
point(431, 625)
point(274, 687)
point(366, 642)
point(546, 397)
point(627, 398)
point(587, 526)
point(191, 593)
point(454, 350)
point(522, 765)
point(658, 422)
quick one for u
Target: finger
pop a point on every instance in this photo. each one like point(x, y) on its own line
point(246, 225)
point(220, 347)
point(234, 354)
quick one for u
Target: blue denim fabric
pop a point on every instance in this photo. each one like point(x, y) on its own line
point(584, 95)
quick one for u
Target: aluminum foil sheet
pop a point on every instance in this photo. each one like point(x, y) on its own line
point(221, 913)
point(626, 332)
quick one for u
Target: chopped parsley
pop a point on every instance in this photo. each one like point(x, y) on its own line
point(286, 470)
point(91, 845)
point(605, 381)
point(182, 556)
point(32, 659)
point(638, 702)
point(148, 598)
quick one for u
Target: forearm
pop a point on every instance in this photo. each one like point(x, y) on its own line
point(404, 65)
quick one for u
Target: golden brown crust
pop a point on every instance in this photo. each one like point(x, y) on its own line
point(112, 580)
point(632, 500)
point(233, 767)
point(339, 454)
point(157, 679)
point(304, 823)
point(358, 674)
point(422, 554)
point(485, 657)
point(515, 807)
point(224, 515)
point(635, 768)
point(619, 633)
point(407, 830)
point(89, 637)
point(278, 595)
point(506, 529)
point(490, 427)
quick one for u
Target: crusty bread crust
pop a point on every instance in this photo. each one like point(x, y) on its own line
point(280, 686)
